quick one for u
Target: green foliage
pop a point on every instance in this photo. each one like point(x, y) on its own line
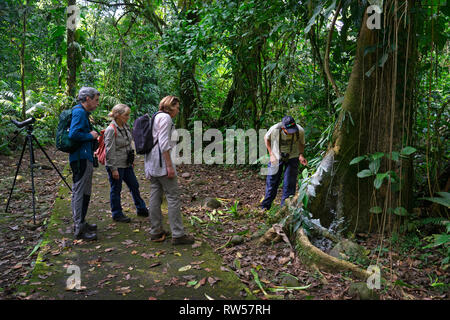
point(443, 199)
point(375, 163)
point(301, 217)
point(248, 63)
point(390, 176)
point(233, 210)
point(442, 240)
point(272, 214)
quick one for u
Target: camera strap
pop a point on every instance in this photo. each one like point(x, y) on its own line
point(296, 138)
point(126, 136)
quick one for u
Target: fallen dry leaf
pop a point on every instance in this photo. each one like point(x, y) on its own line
point(154, 264)
point(200, 283)
point(185, 268)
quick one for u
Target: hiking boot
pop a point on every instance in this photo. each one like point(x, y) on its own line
point(186, 239)
point(88, 236)
point(82, 233)
point(160, 237)
point(91, 227)
point(122, 218)
point(142, 212)
point(88, 227)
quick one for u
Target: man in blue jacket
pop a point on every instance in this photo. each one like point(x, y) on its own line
point(81, 161)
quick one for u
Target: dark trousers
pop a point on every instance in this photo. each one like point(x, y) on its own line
point(290, 169)
point(127, 175)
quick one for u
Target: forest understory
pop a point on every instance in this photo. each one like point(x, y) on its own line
point(233, 229)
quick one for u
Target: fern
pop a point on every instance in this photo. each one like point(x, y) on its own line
point(443, 199)
point(7, 95)
point(109, 101)
point(7, 103)
point(439, 221)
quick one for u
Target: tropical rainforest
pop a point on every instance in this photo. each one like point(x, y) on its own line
point(367, 80)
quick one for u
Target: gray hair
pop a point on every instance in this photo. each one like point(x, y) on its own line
point(87, 92)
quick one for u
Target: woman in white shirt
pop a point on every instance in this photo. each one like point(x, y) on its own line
point(160, 169)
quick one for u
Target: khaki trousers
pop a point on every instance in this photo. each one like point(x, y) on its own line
point(169, 187)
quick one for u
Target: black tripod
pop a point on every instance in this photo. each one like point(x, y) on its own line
point(29, 140)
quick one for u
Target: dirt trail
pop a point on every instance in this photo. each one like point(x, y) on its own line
point(123, 263)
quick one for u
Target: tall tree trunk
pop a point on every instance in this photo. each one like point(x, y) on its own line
point(71, 53)
point(226, 111)
point(188, 97)
point(376, 116)
point(22, 61)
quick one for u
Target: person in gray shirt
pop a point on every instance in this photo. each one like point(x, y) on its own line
point(119, 163)
point(160, 169)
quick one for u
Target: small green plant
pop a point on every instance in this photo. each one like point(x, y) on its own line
point(390, 176)
point(375, 163)
point(435, 283)
point(213, 216)
point(303, 185)
point(233, 210)
point(272, 214)
point(194, 220)
point(442, 240)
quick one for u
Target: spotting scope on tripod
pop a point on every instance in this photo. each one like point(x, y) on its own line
point(28, 125)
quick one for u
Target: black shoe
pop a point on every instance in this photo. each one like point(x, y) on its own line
point(88, 236)
point(143, 212)
point(91, 227)
point(186, 239)
point(122, 218)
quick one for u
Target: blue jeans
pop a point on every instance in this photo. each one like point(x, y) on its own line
point(127, 175)
point(290, 169)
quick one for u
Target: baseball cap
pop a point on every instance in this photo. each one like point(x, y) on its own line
point(289, 124)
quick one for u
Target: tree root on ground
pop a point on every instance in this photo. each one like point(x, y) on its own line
point(313, 256)
point(309, 254)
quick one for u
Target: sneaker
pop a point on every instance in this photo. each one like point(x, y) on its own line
point(160, 237)
point(143, 212)
point(122, 218)
point(186, 239)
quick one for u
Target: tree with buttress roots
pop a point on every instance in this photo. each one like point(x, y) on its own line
point(365, 177)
